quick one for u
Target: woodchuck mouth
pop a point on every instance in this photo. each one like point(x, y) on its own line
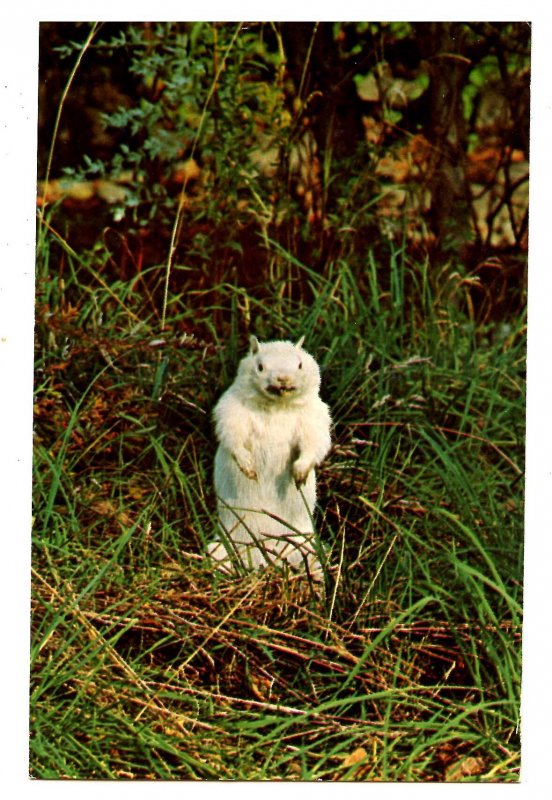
point(280, 391)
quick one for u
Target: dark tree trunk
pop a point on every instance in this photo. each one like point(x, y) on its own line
point(441, 45)
point(333, 111)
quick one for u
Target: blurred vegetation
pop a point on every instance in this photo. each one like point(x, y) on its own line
point(324, 138)
point(363, 184)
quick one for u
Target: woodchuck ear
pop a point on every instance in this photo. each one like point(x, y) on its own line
point(300, 342)
point(254, 345)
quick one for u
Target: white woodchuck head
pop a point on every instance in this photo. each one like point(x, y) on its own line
point(279, 371)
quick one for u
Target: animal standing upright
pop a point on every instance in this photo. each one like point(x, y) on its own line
point(273, 430)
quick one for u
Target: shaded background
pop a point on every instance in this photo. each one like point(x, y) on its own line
point(327, 138)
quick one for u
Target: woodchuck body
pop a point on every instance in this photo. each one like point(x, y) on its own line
point(273, 429)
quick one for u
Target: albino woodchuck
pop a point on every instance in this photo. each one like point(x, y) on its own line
point(272, 429)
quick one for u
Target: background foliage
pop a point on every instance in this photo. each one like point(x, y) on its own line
point(326, 138)
point(364, 184)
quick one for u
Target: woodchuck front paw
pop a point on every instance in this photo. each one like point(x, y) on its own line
point(249, 473)
point(301, 469)
point(245, 463)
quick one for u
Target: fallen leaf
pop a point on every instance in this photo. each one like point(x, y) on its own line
point(355, 757)
point(464, 768)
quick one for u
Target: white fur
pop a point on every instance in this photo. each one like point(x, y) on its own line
point(272, 429)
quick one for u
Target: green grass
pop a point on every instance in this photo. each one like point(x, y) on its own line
point(147, 665)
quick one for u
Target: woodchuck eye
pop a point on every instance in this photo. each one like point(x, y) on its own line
point(260, 367)
point(300, 365)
